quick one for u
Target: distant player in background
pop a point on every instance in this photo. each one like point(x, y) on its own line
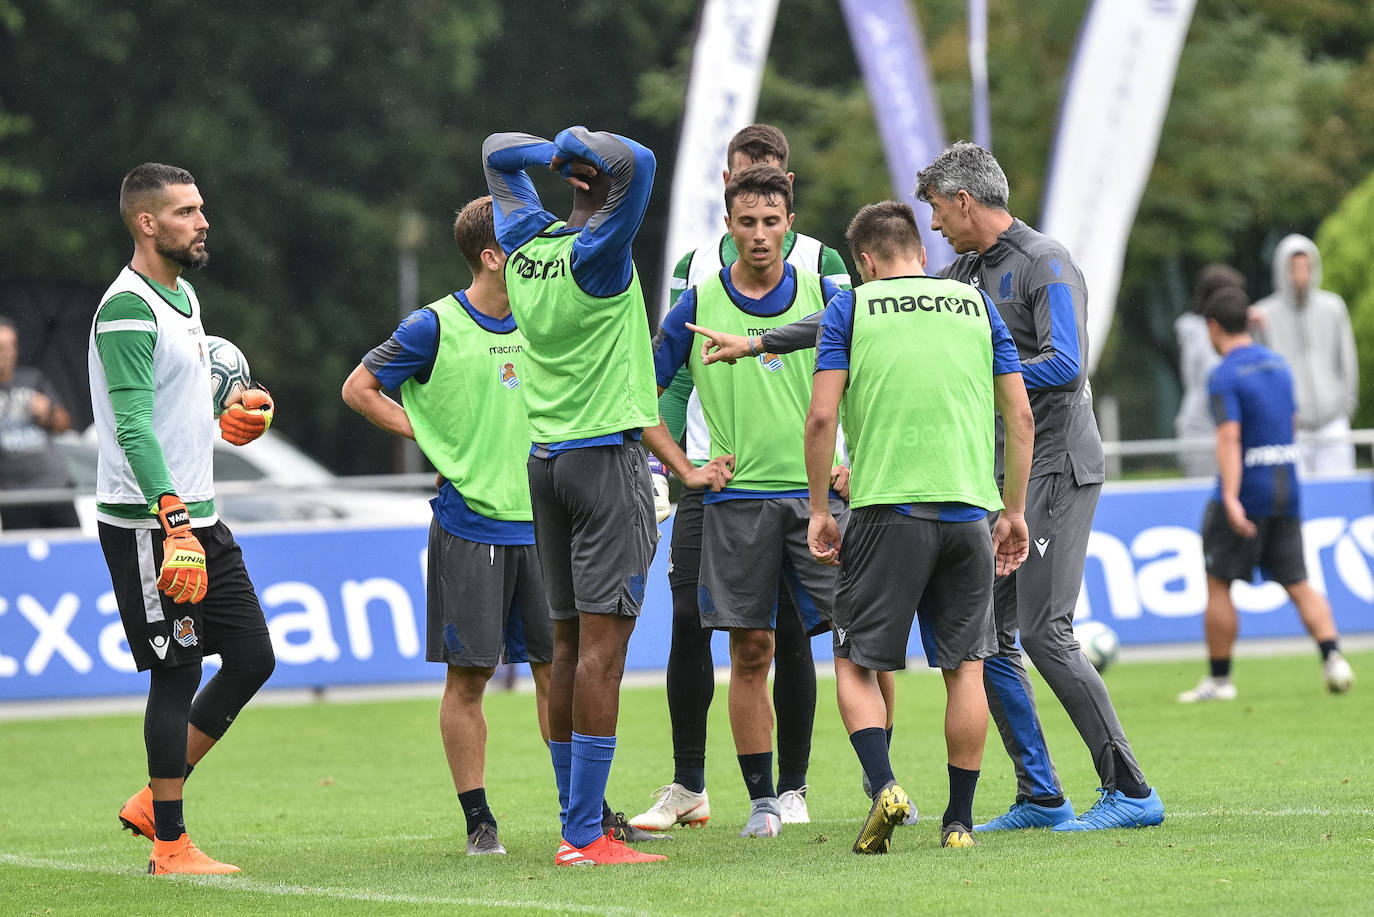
point(155, 502)
point(458, 365)
point(1042, 297)
point(589, 392)
point(917, 364)
point(691, 670)
point(754, 531)
point(1253, 519)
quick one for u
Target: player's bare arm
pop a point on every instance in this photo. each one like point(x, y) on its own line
point(822, 418)
point(362, 392)
point(715, 474)
point(1010, 539)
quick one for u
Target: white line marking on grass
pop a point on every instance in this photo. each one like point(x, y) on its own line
point(240, 883)
point(1309, 812)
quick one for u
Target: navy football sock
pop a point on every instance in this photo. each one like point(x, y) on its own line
point(962, 783)
point(475, 808)
point(871, 746)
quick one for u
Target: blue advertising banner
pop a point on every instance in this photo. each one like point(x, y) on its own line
point(347, 606)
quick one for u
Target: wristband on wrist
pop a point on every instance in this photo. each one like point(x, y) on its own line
point(752, 351)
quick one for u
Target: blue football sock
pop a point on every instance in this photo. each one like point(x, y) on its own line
point(561, 752)
point(591, 766)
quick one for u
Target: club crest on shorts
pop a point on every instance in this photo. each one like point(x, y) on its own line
point(184, 631)
point(770, 361)
point(508, 377)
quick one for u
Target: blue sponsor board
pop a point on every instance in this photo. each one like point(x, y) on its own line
point(347, 606)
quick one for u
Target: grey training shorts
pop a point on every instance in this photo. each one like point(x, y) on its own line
point(891, 563)
point(746, 545)
point(484, 603)
point(595, 526)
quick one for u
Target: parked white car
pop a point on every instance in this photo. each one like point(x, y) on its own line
point(268, 481)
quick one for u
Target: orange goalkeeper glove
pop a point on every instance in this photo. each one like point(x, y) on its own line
point(183, 575)
point(246, 420)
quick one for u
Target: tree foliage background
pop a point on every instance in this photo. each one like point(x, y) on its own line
point(315, 128)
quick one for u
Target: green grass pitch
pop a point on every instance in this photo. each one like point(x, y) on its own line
point(348, 809)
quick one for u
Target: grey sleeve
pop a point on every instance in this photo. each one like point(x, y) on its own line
point(799, 335)
point(1350, 362)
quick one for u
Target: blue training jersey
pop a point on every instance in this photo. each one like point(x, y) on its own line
point(1254, 387)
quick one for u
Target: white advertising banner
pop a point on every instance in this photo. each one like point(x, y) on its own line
point(722, 96)
point(1115, 97)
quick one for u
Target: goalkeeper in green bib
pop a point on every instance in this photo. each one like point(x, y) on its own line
point(754, 531)
point(155, 505)
point(915, 366)
point(589, 393)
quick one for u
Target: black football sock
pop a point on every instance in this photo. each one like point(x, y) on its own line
point(1327, 647)
point(962, 783)
point(1049, 802)
point(758, 774)
point(1221, 668)
point(475, 809)
point(168, 819)
point(889, 736)
point(1127, 784)
point(871, 746)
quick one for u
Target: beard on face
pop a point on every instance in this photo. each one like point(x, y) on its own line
point(183, 255)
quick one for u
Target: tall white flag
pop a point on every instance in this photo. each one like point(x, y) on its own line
point(722, 97)
point(1115, 97)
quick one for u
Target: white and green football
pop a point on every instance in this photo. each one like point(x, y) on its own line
point(1099, 642)
point(228, 371)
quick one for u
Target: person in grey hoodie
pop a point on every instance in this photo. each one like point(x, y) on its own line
point(1196, 360)
point(1310, 328)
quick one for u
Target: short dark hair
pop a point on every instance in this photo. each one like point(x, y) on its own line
point(474, 229)
point(1210, 278)
point(6, 322)
point(883, 230)
point(759, 142)
point(141, 190)
point(762, 180)
point(965, 166)
point(1229, 307)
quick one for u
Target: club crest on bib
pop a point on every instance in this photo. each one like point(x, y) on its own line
point(508, 377)
point(184, 631)
point(770, 361)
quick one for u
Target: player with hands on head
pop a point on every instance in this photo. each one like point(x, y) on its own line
point(916, 365)
point(589, 394)
point(154, 476)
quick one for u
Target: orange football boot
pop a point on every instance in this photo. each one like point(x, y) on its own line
point(137, 814)
point(182, 856)
point(604, 851)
